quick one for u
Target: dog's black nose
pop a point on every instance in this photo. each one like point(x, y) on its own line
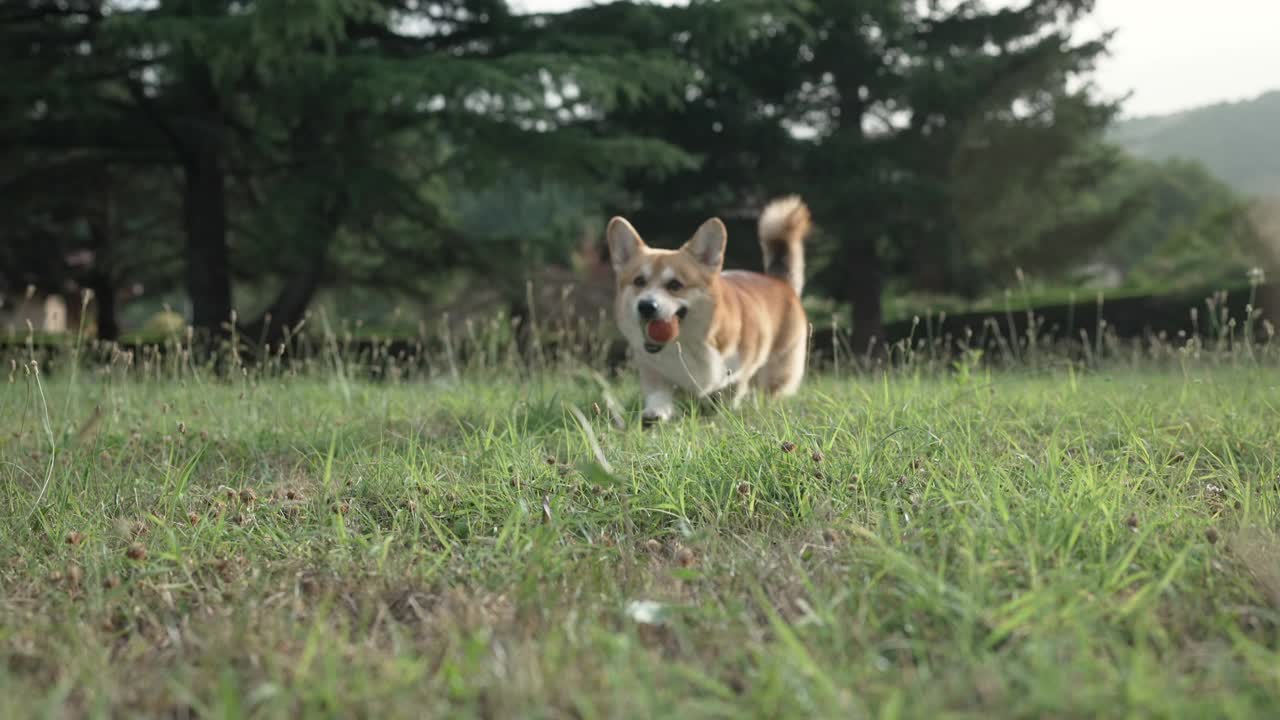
point(647, 309)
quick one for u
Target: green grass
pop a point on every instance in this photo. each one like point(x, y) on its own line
point(1035, 544)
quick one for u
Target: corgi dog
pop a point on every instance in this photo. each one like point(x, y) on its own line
point(696, 327)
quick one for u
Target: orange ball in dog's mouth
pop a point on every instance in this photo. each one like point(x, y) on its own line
point(660, 332)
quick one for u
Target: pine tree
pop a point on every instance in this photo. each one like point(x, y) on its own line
point(297, 125)
point(80, 200)
point(928, 111)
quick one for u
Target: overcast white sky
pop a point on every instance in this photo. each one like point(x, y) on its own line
point(1172, 54)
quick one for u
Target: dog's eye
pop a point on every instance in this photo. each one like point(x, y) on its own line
point(675, 286)
point(639, 281)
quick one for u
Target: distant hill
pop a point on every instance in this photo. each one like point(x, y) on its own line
point(1239, 142)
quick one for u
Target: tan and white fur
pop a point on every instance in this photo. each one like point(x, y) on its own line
point(737, 329)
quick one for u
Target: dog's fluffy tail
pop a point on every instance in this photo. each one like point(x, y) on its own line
point(784, 224)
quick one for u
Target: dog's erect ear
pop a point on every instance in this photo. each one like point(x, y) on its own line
point(707, 245)
point(624, 243)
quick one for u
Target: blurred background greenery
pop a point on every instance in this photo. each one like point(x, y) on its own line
point(395, 162)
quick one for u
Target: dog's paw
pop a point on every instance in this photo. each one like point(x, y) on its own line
point(650, 419)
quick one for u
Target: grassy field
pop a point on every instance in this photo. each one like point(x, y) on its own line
point(1034, 544)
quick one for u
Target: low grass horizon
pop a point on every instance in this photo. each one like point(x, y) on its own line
point(1056, 541)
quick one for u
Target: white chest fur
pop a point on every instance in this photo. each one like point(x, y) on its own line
point(695, 367)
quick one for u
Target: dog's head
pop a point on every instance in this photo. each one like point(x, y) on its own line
point(676, 289)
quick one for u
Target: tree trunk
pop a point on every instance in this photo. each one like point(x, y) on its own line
point(208, 266)
point(864, 285)
point(104, 304)
point(863, 271)
point(290, 306)
point(287, 310)
point(99, 279)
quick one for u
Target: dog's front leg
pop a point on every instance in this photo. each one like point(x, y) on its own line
point(659, 403)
